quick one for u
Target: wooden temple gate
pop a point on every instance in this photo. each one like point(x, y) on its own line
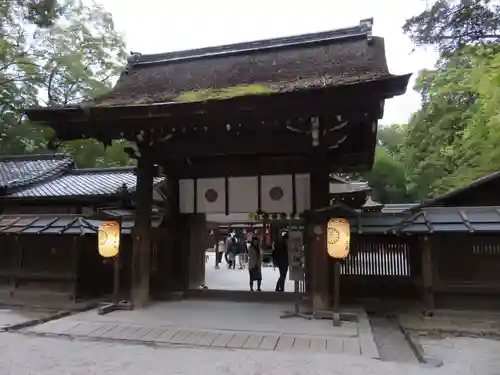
point(305, 105)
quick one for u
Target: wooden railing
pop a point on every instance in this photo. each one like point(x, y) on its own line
point(378, 258)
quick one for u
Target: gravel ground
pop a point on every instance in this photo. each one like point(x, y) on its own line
point(473, 355)
point(9, 317)
point(22, 355)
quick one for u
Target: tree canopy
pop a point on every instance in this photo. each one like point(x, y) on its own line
point(60, 52)
point(452, 139)
point(55, 53)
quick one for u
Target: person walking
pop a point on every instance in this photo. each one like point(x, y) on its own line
point(280, 260)
point(255, 263)
point(228, 253)
point(233, 251)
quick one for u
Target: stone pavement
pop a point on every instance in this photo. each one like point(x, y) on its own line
point(9, 317)
point(217, 325)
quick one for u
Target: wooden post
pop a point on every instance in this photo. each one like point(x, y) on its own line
point(318, 256)
point(196, 251)
point(336, 292)
point(18, 266)
point(427, 276)
point(141, 250)
point(216, 235)
point(75, 253)
point(173, 266)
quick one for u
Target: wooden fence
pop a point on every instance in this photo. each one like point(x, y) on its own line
point(381, 267)
point(465, 270)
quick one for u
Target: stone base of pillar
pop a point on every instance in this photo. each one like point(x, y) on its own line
point(140, 297)
point(320, 302)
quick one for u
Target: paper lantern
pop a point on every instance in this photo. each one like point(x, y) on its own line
point(109, 239)
point(338, 234)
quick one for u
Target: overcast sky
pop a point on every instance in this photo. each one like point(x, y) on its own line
point(154, 26)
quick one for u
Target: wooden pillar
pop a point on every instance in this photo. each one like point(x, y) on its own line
point(141, 251)
point(173, 277)
point(427, 276)
point(318, 256)
point(74, 259)
point(196, 251)
point(217, 247)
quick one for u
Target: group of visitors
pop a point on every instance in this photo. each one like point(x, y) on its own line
point(236, 249)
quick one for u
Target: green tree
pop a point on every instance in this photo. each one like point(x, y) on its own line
point(392, 138)
point(435, 130)
point(450, 25)
point(452, 139)
point(388, 177)
point(75, 59)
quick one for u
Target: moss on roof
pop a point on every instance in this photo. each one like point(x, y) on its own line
point(224, 93)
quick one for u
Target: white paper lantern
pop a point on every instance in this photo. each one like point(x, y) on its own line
point(338, 236)
point(109, 239)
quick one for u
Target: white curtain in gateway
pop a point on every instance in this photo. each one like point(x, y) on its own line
point(211, 195)
point(186, 196)
point(243, 194)
point(302, 192)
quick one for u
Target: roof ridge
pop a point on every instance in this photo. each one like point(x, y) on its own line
point(103, 170)
point(363, 29)
point(34, 157)
point(477, 182)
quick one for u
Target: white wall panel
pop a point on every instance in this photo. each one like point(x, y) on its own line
point(302, 192)
point(277, 183)
point(186, 196)
point(243, 194)
point(205, 195)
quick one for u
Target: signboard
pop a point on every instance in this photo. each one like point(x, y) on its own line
point(295, 256)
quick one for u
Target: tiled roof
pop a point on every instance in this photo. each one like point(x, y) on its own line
point(398, 207)
point(371, 205)
point(83, 182)
point(20, 171)
point(452, 220)
point(447, 199)
point(60, 224)
point(374, 222)
point(348, 187)
point(46, 224)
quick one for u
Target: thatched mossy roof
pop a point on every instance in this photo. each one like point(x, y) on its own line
point(325, 59)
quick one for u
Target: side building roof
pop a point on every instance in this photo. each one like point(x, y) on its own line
point(480, 192)
point(19, 171)
point(59, 179)
point(84, 182)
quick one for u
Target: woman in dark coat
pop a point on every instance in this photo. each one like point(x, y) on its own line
point(255, 263)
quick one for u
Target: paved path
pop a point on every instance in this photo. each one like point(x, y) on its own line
point(202, 338)
point(217, 324)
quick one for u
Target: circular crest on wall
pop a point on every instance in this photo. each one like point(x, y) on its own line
point(276, 193)
point(333, 236)
point(211, 195)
